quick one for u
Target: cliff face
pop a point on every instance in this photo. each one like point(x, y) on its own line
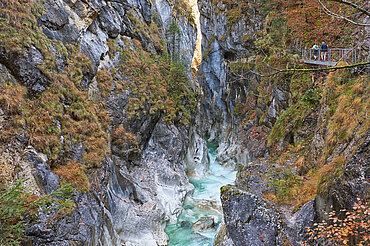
point(104, 98)
point(100, 95)
point(301, 132)
point(223, 43)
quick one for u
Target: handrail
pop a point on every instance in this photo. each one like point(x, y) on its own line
point(335, 55)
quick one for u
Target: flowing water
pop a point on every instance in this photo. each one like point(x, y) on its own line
point(205, 203)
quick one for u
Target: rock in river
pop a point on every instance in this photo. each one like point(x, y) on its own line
point(204, 223)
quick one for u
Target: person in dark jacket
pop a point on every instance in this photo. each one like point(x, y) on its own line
point(324, 51)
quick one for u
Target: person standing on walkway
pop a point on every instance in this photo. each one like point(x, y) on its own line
point(324, 51)
point(315, 51)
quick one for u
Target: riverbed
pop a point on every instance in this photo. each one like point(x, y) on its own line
point(202, 212)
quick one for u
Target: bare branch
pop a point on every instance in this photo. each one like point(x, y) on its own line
point(353, 5)
point(327, 11)
point(327, 68)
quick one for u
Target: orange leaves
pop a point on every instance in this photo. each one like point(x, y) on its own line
point(352, 228)
point(159, 83)
point(122, 137)
point(104, 81)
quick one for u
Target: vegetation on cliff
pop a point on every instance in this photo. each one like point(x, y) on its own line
point(64, 116)
point(312, 134)
point(63, 113)
point(18, 208)
point(352, 229)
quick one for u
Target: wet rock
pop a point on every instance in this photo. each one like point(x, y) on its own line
point(137, 216)
point(151, 193)
point(208, 205)
point(197, 159)
point(222, 236)
point(204, 223)
point(185, 224)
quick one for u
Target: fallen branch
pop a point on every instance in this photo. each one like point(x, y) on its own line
point(327, 68)
point(303, 70)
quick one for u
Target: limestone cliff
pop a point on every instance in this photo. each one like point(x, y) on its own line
point(101, 94)
point(105, 97)
point(301, 132)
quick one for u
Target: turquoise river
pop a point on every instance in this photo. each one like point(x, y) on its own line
point(204, 205)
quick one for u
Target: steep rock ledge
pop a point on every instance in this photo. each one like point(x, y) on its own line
point(134, 155)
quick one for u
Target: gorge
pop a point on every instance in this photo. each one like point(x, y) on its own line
point(161, 122)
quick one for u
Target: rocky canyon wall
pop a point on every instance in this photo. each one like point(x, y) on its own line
point(106, 100)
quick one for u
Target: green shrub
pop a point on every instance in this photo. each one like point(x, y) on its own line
point(18, 208)
point(284, 185)
point(159, 82)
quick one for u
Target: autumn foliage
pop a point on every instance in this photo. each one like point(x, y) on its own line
point(310, 24)
point(73, 174)
point(307, 20)
point(351, 230)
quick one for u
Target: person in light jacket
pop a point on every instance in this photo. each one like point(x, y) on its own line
point(315, 51)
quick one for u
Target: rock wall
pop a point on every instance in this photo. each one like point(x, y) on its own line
point(141, 183)
point(277, 129)
point(222, 92)
point(64, 62)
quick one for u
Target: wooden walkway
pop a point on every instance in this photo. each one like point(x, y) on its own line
point(335, 55)
point(320, 63)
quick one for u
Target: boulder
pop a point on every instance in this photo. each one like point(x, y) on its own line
point(250, 219)
point(204, 223)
